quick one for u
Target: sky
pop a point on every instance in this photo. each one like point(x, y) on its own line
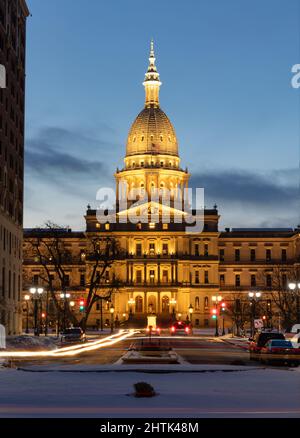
point(226, 74)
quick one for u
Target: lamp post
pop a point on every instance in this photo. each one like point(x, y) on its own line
point(112, 311)
point(216, 299)
point(27, 298)
point(191, 310)
point(223, 310)
point(253, 297)
point(296, 287)
point(65, 296)
point(36, 295)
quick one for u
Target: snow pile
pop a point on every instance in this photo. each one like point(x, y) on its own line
point(32, 343)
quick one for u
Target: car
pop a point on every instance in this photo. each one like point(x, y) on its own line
point(74, 334)
point(181, 328)
point(260, 340)
point(295, 340)
point(279, 350)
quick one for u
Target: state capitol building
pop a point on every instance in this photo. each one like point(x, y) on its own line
point(165, 269)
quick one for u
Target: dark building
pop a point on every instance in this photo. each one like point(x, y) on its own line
point(13, 14)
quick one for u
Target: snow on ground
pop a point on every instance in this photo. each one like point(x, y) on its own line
point(246, 393)
point(32, 343)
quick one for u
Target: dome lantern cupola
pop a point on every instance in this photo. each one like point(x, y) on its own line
point(152, 82)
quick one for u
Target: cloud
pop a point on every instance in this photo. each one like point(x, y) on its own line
point(275, 188)
point(252, 199)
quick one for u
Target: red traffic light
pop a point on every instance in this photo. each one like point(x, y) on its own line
point(214, 311)
point(223, 305)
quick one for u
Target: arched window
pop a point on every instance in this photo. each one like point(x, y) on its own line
point(197, 303)
point(139, 304)
point(165, 304)
point(206, 303)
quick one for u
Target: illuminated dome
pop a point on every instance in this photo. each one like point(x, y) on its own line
point(152, 132)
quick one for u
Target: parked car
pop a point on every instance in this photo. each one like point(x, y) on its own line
point(74, 334)
point(260, 340)
point(295, 340)
point(280, 351)
point(181, 328)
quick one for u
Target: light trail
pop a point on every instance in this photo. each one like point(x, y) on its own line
point(73, 350)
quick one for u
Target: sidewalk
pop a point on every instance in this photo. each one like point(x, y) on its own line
point(235, 341)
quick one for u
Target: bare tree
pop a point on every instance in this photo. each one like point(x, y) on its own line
point(238, 308)
point(286, 302)
point(47, 248)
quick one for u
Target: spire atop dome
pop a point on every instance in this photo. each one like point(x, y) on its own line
point(152, 82)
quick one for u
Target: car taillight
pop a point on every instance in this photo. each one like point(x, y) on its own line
point(187, 329)
point(173, 329)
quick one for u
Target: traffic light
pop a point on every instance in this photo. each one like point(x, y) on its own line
point(81, 305)
point(223, 306)
point(214, 313)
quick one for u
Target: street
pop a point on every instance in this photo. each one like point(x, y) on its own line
point(194, 350)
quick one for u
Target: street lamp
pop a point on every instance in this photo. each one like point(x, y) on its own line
point(112, 311)
point(65, 296)
point(36, 295)
point(253, 297)
point(27, 298)
point(191, 310)
point(216, 299)
point(293, 287)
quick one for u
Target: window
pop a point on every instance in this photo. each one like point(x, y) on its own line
point(197, 277)
point(206, 279)
point(252, 255)
point(165, 249)
point(107, 226)
point(165, 226)
point(67, 280)
point(152, 276)
point(206, 250)
point(139, 304)
point(206, 303)
point(222, 280)
point(152, 225)
point(222, 255)
point(284, 280)
point(197, 253)
point(283, 255)
point(35, 280)
point(197, 303)
point(237, 255)
point(165, 276)
point(269, 280)
point(138, 249)
point(238, 280)
point(253, 280)
point(268, 255)
point(139, 276)
point(152, 248)
point(82, 280)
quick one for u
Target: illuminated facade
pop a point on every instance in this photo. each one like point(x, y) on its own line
point(165, 269)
